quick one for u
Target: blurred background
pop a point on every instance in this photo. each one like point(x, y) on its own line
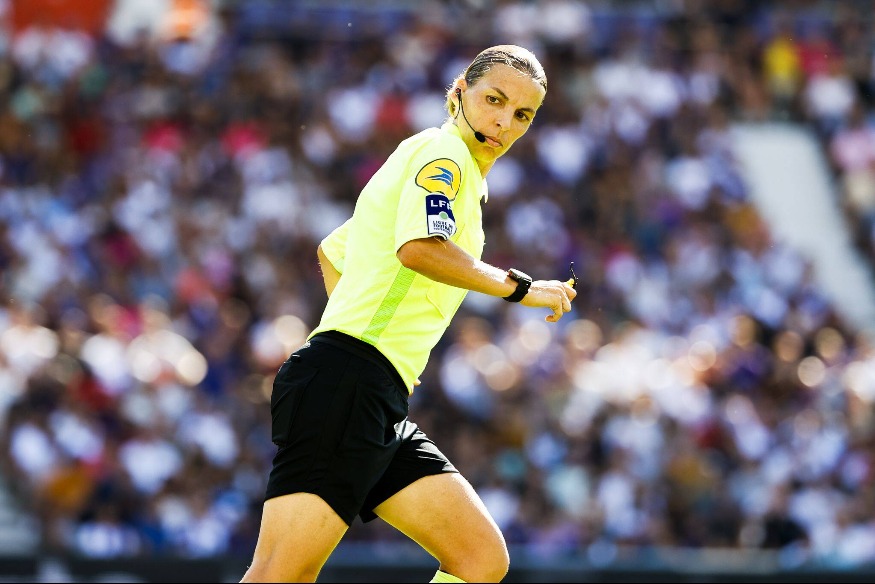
point(168, 167)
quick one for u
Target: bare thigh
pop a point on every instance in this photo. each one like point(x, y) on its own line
point(444, 515)
point(298, 533)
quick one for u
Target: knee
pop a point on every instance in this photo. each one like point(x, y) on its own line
point(266, 571)
point(496, 564)
point(254, 574)
point(500, 561)
point(488, 561)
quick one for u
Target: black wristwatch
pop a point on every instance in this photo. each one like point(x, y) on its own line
point(523, 282)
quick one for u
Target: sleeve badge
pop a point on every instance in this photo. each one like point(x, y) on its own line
point(440, 176)
point(439, 215)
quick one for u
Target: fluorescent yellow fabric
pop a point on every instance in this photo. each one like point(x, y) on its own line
point(430, 186)
point(334, 246)
point(444, 577)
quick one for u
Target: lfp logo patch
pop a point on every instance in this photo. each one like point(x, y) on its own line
point(439, 214)
point(440, 176)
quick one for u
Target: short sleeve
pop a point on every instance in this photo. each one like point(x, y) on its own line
point(334, 246)
point(425, 207)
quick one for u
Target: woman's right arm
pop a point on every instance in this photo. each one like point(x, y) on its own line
point(446, 262)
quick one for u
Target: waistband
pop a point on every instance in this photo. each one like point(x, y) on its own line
point(364, 350)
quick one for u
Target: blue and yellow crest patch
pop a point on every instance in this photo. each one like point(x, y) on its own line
point(440, 176)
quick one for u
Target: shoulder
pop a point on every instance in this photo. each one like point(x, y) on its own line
point(437, 158)
point(435, 141)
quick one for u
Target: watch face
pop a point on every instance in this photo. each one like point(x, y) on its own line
point(518, 275)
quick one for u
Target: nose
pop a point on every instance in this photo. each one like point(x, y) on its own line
point(503, 119)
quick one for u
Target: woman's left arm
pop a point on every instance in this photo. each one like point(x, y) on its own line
point(330, 275)
point(332, 254)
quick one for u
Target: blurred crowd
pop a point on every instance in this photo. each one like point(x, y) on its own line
point(162, 197)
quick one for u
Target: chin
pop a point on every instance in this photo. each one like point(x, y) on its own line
point(488, 153)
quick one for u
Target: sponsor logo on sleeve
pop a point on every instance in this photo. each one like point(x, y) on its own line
point(440, 176)
point(439, 214)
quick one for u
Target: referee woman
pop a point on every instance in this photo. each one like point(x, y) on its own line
point(395, 273)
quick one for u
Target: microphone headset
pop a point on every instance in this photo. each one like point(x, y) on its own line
point(480, 137)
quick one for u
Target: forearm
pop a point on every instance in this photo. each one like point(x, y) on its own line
point(447, 263)
point(330, 275)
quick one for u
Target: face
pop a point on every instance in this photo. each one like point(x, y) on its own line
point(501, 105)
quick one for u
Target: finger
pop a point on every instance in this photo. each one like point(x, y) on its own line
point(566, 304)
point(570, 290)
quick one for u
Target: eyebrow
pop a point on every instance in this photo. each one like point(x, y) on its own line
point(506, 98)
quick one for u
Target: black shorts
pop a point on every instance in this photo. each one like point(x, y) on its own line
point(339, 417)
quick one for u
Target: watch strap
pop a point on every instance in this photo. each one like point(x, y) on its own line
point(523, 283)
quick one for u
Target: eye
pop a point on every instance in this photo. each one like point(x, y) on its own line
point(522, 117)
point(491, 99)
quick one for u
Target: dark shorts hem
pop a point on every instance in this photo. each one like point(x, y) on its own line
point(347, 515)
point(340, 421)
point(367, 513)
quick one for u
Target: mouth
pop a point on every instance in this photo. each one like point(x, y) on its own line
point(495, 143)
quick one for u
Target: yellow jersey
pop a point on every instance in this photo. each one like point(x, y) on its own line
point(429, 186)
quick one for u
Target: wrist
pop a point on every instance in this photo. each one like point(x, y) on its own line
point(523, 282)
